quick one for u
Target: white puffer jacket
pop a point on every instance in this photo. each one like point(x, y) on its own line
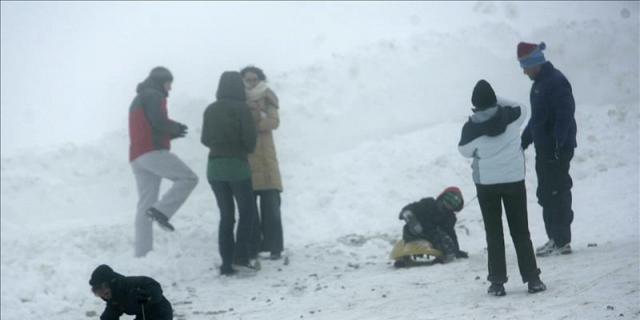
point(492, 138)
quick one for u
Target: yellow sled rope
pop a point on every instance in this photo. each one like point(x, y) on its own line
point(412, 248)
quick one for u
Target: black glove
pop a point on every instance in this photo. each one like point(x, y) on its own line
point(142, 296)
point(181, 132)
point(462, 254)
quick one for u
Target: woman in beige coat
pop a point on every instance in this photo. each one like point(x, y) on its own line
point(265, 172)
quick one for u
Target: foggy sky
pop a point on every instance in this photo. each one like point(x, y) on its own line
point(69, 69)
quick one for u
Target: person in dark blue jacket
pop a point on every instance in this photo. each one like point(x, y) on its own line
point(552, 130)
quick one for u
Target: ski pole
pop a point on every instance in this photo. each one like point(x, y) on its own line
point(142, 306)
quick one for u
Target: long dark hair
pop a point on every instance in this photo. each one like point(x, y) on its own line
point(254, 69)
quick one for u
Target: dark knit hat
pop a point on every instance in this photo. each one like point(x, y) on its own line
point(530, 55)
point(452, 199)
point(100, 275)
point(483, 96)
point(160, 75)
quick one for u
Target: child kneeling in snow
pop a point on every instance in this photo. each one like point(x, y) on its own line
point(434, 220)
point(140, 296)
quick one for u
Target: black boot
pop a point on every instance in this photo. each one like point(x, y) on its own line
point(160, 218)
point(496, 289)
point(536, 285)
point(227, 271)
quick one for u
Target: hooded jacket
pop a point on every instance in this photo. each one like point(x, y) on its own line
point(492, 138)
point(130, 294)
point(432, 216)
point(149, 125)
point(228, 128)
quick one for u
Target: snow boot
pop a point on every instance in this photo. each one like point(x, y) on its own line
point(536, 285)
point(566, 249)
point(160, 218)
point(227, 271)
point(275, 256)
point(546, 247)
point(555, 250)
point(249, 265)
point(497, 289)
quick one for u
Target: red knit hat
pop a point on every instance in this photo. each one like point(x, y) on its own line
point(452, 199)
point(525, 49)
point(530, 55)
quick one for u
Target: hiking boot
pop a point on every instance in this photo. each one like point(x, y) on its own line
point(250, 265)
point(160, 218)
point(496, 289)
point(555, 250)
point(275, 256)
point(546, 247)
point(227, 271)
point(536, 285)
point(566, 249)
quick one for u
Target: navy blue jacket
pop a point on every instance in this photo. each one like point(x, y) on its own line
point(552, 126)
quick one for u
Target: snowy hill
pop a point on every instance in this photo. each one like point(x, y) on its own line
point(363, 133)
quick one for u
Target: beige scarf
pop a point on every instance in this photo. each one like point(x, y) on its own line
point(258, 92)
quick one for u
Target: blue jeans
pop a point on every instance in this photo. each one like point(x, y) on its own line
point(243, 248)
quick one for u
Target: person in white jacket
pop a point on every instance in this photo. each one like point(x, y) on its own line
point(491, 137)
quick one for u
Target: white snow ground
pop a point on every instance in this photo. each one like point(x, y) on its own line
point(362, 134)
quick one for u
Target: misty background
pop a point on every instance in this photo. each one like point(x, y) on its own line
point(69, 69)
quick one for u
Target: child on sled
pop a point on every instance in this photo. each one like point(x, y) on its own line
point(434, 220)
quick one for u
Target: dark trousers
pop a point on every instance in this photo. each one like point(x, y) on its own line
point(243, 247)
point(514, 197)
point(554, 195)
point(270, 221)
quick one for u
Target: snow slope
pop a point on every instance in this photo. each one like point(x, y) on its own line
point(362, 134)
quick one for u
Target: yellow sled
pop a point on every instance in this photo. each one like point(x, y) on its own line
point(413, 252)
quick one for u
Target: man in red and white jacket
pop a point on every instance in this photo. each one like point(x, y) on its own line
point(150, 134)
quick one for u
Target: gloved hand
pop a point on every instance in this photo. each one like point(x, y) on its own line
point(182, 130)
point(404, 215)
point(462, 254)
point(412, 223)
point(142, 296)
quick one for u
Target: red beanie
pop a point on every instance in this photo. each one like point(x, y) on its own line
point(530, 55)
point(452, 198)
point(525, 49)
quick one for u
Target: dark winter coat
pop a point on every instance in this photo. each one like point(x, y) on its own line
point(127, 294)
point(431, 216)
point(149, 125)
point(552, 126)
point(229, 129)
